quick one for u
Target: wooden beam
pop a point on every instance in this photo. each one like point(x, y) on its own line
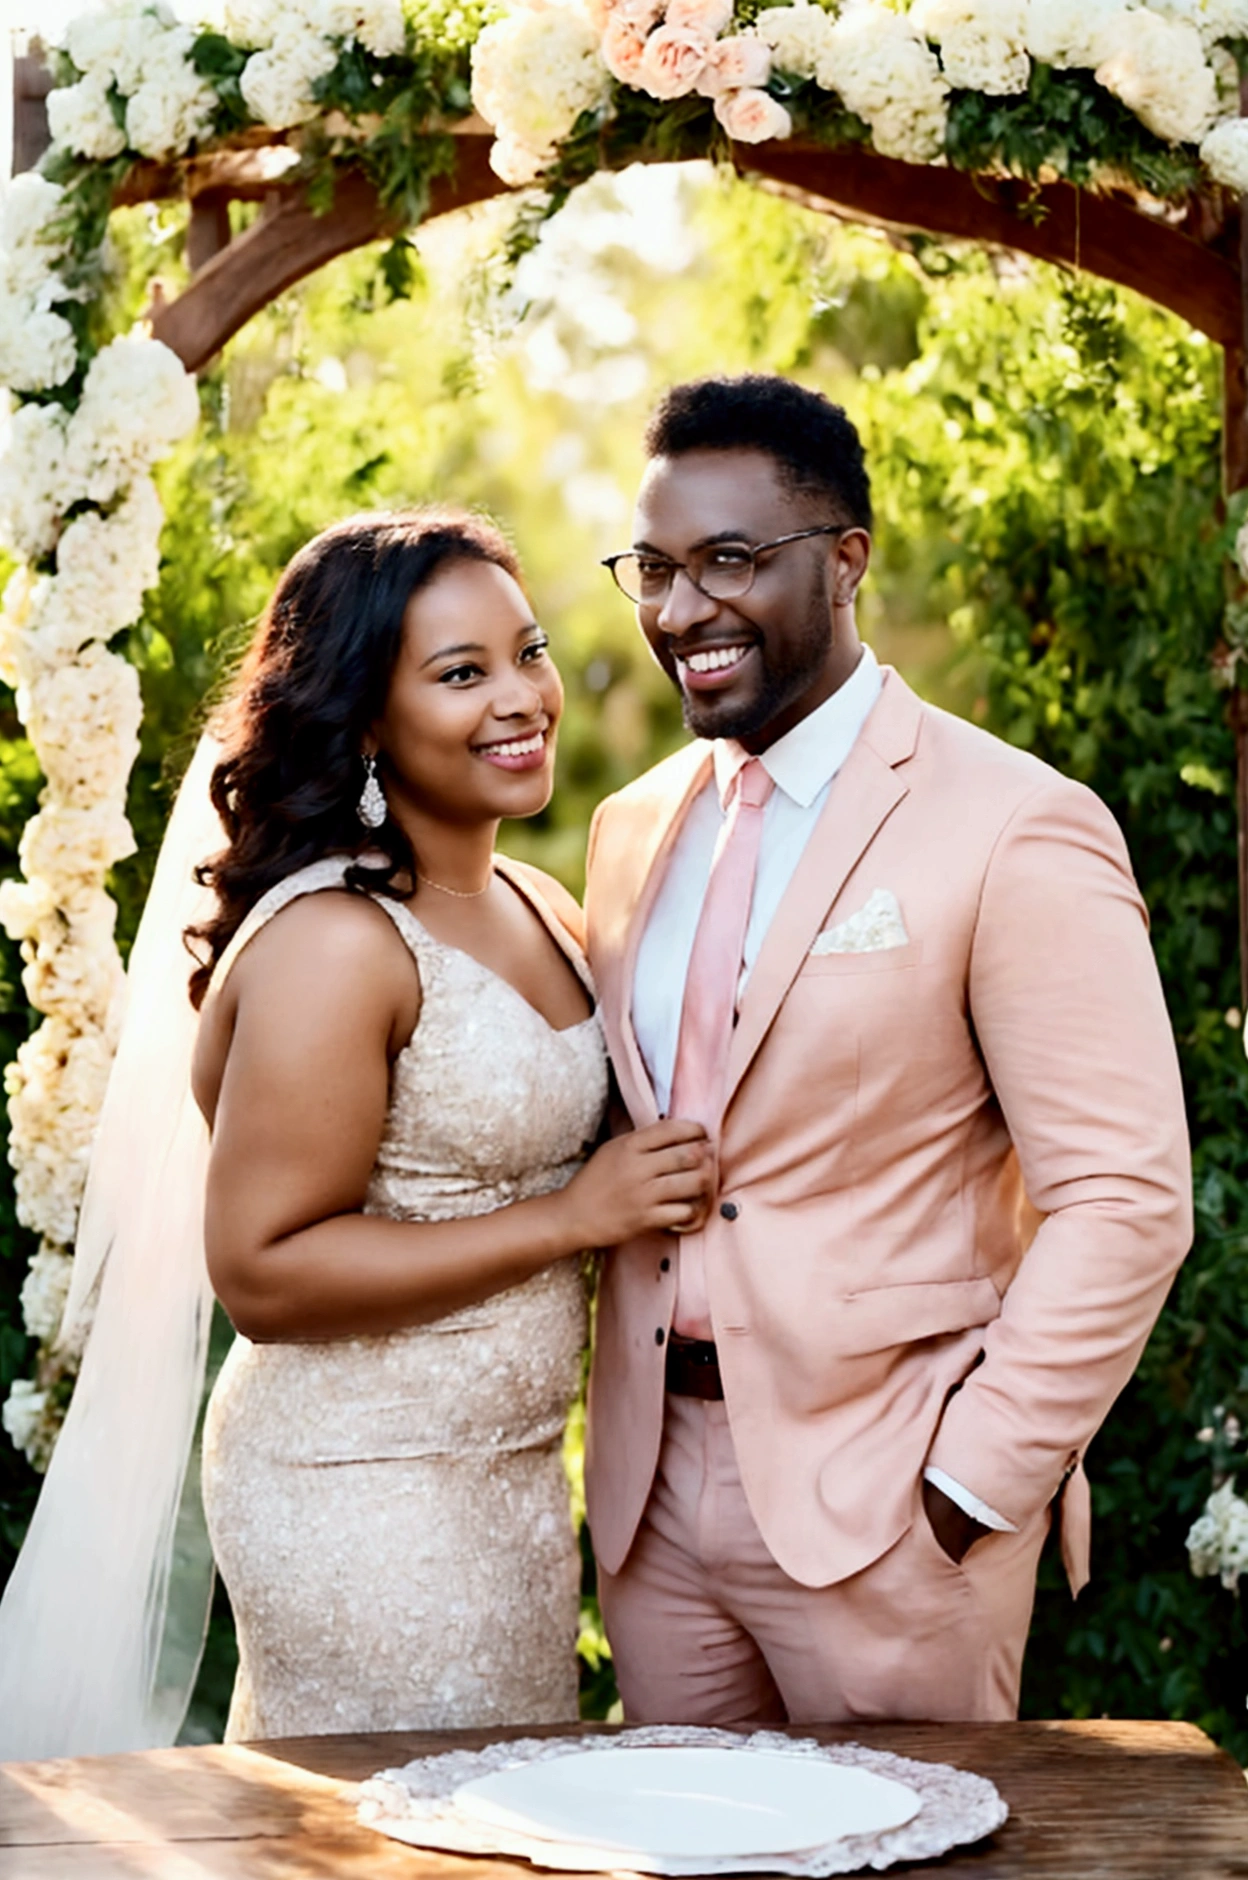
point(286, 243)
point(247, 168)
point(289, 242)
point(207, 227)
point(1103, 235)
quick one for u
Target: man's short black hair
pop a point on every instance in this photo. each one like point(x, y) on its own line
point(813, 442)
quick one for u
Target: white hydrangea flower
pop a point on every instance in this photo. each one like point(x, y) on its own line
point(58, 624)
point(37, 349)
point(104, 566)
point(277, 83)
point(887, 74)
point(137, 401)
point(797, 36)
point(1067, 33)
point(71, 849)
point(83, 719)
point(1213, 19)
point(14, 623)
point(28, 1421)
point(29, 250)
point(55, 1086)
point(1157, 67)
point(113, 43)
point(1218, 1541)
point(145, 52)
point(983, 43)
point(81, 118)
point(255, 23)
point(44, 1292)
point(1224, 153)
point(32, 480)
point(517, 163)
point(173, 106)
point(24, 906)
point(88, 913)
point(378, 25)
point(76, 983)
point(534, 72)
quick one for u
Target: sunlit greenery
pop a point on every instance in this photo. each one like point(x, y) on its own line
point(1049, 562)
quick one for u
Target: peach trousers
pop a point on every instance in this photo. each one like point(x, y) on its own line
point(705, 1628)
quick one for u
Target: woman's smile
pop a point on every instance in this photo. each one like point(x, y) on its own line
point(516, 753)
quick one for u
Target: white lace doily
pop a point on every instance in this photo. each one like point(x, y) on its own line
point(416, 1804)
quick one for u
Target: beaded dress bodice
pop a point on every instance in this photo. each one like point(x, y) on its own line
point(410, 1484)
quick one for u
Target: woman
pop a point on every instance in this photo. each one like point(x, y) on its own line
point(402, 1071)
point(403, 1074)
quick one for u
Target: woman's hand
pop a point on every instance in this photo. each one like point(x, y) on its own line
point(659, 1177)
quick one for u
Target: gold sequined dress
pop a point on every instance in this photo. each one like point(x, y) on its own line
point(390, 1514)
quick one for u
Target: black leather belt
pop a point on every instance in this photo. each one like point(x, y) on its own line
point(693, 1369)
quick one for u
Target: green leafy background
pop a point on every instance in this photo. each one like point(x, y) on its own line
point(1050, 561)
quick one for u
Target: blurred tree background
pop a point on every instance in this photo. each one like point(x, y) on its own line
point(1049, 562)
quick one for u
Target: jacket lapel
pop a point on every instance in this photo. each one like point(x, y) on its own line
point(866, 790)
point(632, 860)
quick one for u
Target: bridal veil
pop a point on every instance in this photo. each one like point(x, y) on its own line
point(96, 1653)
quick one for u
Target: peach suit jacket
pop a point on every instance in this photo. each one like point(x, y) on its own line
point(897, 1122)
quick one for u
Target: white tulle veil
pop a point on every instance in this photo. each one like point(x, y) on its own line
point(96, 1653)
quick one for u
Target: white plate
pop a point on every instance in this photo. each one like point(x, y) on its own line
point(717, 1804)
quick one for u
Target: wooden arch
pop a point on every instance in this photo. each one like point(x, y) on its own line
point(1191, 259)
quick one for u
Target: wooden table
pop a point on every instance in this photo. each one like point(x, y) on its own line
point(1088, 1801)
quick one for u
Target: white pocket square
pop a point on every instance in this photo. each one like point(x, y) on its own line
point(873, 928)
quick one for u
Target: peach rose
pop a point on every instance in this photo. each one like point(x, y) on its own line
point(643, 14)
point(752, 117)
point(672, 61)
point(734, 64)
point(598, 12)
point(708, 17)
point(622, 47)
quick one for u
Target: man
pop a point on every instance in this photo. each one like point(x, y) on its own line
point(901, 972)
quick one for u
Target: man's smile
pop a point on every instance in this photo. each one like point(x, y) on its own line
point(709, 667)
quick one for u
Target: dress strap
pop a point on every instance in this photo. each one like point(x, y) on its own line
point(329, 872)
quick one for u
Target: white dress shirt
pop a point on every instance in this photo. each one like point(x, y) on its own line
point(802, 764)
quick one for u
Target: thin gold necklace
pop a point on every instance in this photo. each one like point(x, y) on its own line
point(457, 894)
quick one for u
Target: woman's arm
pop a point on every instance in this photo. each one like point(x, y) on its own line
point(314, 1010)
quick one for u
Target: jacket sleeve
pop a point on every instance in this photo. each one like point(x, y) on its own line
point(1067, 1007)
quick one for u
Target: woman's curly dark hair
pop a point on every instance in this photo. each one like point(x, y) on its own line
point(315, 678)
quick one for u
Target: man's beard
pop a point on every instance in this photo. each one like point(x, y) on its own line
point(782, 684)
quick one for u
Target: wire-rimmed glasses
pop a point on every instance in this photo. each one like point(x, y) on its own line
point(723, 571)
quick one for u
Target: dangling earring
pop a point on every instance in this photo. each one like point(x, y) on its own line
point(371, 808)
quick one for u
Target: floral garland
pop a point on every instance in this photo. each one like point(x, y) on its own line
point(78, 508)
point(1094, 90)
point(1097, 90)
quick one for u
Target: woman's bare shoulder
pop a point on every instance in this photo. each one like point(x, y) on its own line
point(340, 939)
point(328, 970)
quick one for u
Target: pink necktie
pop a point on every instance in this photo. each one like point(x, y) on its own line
point(706, 1015)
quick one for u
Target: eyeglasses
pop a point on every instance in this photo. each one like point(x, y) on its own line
point(723, 571)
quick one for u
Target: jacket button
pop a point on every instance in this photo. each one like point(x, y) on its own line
point(659, 1336)
point(665, 1265)
point(729, 1210)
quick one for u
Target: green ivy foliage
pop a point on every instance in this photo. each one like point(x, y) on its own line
point(1066, 122)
